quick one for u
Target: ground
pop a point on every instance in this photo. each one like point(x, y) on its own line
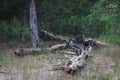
point(104, 65)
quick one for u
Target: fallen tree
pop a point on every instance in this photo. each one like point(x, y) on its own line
point(49, 36)
point(82, 46)
point(24, 51)
point(77, 61)
point(75, 44)
point(79, 39)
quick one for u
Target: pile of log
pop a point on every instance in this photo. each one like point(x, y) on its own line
point(65, 43)
point(81, 44)
point(83, 51)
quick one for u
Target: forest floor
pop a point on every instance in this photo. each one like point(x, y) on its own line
point(105, 65)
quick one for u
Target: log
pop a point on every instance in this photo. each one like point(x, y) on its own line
point(75, 63)
point(75, 45)
point(69, 52)
point(56, 47)
point(49, 36)
point(24, 51)
point(101, 43)
point(78, 61)
point(96, 42)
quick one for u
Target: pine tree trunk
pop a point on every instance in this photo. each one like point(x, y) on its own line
point(24, 17)
point(33, 25)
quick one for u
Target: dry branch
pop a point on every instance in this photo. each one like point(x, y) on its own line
point(82, 45)
point(69, 52)
point(23, 51)
point(56, 47)
point(49, 36)
point(101, 43)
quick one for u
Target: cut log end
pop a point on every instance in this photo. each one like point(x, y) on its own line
point(19, 51)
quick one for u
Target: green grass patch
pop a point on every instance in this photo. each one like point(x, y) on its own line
point(1, 58)
point(112, 38)
point(11, 44)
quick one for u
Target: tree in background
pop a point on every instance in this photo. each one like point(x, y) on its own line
point(33, 25)
point(23, 25)
point(94, 18)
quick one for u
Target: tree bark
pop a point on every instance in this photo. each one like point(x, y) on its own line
point(33, 25)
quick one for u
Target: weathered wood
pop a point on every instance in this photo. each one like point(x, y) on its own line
point(96, 42)
point(76, 62)
point(69, 52)
point(23, 51)
point(101, 43)
point(49, 36)
point(83, 51)
point(58, 46)
point(79, 39)
point(79, 49)
point(33, 25)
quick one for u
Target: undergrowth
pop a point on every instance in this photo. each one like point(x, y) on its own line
point(111, 38)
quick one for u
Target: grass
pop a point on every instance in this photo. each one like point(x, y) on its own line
point(104, 65)
point(11, 44)
point(111, 38)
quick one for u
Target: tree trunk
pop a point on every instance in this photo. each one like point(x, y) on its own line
point(23, 24)
point(33, 25)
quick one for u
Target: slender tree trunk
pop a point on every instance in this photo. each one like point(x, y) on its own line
point(24, 17)
point(33, 25)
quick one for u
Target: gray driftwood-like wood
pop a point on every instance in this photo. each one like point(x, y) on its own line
point(33, 25)
point(83, 51)
point(47, 35)
point(50, 36)
point(69, 52)
point(24, 51)
point(76, 47)
point(56, 47)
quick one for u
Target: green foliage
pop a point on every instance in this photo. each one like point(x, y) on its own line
point(11, 8)
point(112, 38)
point(59, 16)
point(72, 17)
point(93, 19)
point(12, 28)
point(1, 58)
point(11, 44)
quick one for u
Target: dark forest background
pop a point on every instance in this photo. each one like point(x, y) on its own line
point(93, 18)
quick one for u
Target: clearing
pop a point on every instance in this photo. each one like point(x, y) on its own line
point(105, 65)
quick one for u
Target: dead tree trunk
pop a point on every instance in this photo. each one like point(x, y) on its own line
point(24, 51)
point(49, 36)
point(33, 25)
